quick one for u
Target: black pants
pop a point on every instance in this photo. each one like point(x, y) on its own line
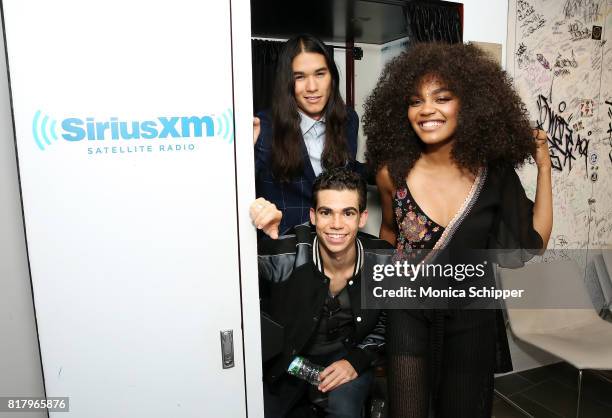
point(346, 401)
point(441, 360)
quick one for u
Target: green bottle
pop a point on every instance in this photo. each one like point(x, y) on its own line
point(304, 369)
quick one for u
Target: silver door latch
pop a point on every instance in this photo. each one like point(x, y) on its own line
point(227, 348)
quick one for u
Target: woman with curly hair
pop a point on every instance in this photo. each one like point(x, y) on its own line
point(445, 132)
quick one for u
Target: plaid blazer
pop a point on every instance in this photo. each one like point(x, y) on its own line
point(294, 198)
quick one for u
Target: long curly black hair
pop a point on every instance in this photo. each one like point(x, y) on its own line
point(493, 126)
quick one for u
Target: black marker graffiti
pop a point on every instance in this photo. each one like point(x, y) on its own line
point(597, 55)
point(561, 241)
point(563, 148)
point(557, 28)
point(587, 10)
point(522, 57)
point(562, 72)
point(578, 126)
point(532, 24)
point(530, 20)
point(578, 31)
point(542, 60)
point(562, 62)
point(523, 10)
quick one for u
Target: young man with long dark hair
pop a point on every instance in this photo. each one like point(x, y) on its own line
point(309, 129)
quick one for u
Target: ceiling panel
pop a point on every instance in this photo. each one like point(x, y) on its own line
point(365, 21)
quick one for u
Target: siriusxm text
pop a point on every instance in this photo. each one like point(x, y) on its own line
point(75, 129)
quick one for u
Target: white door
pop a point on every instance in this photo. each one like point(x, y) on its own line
point(124, 123)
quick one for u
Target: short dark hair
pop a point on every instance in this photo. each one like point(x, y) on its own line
point(340, 179)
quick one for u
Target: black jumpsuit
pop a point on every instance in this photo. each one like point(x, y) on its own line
point(448, 357)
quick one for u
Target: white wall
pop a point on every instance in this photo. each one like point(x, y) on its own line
point(486, 21)
point(367, 72)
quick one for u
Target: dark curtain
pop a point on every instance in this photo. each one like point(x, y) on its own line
point(264, 57)
point(429, 22)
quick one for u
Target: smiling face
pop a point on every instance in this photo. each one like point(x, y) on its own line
point(433, 112)
point(312, 83)
point(337, 220)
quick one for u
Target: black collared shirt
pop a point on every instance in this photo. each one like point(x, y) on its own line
point(335, 325)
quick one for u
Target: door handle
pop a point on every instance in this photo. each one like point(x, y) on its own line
point(227, 348)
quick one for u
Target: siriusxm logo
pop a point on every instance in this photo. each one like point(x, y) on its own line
point(47, 131)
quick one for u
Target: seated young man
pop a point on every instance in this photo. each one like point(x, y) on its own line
point(314, 287)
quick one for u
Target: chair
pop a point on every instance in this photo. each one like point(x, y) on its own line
point(602, 266)
point(574, 333)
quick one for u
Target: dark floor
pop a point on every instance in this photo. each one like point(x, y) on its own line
point(551, 392)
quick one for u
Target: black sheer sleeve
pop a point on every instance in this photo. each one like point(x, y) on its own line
point(513, 232)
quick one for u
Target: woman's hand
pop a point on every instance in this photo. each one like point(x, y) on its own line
point(542, 154)
point(256, 129)
point(266, 216)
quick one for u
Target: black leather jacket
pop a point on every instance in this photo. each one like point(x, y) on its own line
point(294, 291)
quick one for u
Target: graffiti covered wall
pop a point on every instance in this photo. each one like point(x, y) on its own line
point(560, 57)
